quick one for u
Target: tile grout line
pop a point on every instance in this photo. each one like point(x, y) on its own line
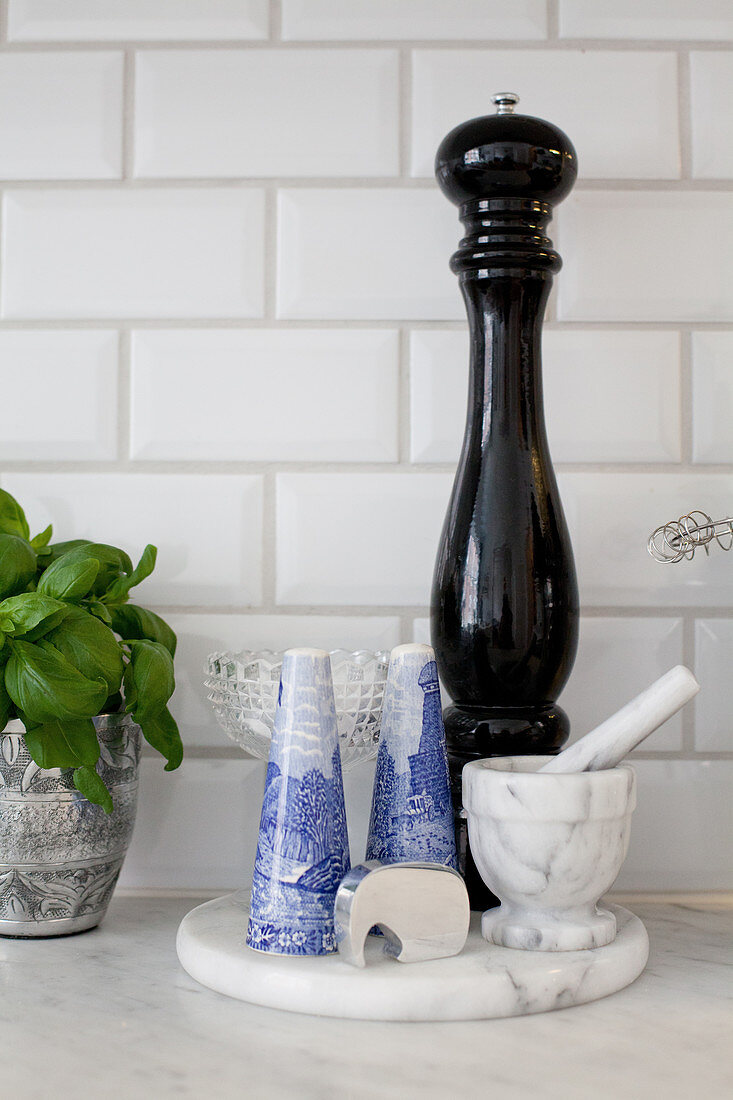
point(128, 116)
point(124, 400)
point(404, 94)
point(553, 21)
point(394, 183)
point(684, 107)
point(688, 659)
point(488, 45)
point(404, 412)
point(687, 410)
point(270, 256)
point(269, 546)
point(276, 21)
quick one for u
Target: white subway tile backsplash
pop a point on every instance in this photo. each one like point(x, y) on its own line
point(224, 257)
point(384, 19)
point(612, 514)
point(366, 254)
point(711, 80)
point(358, 539)
point(197, 827)
point(713, 660)
point(265, 395)
point(646, 19)
point(712, 396)
point(681, 828)
point(60, 115)
point(609, 396)
point(72, 377)
point(199, 635)
point(617, 658)
point(453, 85)
point(329, 113)
point(208, 529)
point(646, 256)
point(81, 20)
point(92, 253)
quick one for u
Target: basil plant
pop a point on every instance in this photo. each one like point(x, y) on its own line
point(72, 647)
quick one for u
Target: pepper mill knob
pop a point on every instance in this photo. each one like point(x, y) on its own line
point(506, 155)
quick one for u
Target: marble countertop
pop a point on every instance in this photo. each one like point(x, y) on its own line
point(111, 1013)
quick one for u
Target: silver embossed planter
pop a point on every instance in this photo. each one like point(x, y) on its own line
point(60, 855)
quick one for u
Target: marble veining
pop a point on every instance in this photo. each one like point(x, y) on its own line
point(548, 845)
point(482, 982)
point(117, 1001)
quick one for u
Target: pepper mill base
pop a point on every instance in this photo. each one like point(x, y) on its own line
point(473, 733)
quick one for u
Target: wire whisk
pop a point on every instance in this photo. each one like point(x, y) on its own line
point(681, 538)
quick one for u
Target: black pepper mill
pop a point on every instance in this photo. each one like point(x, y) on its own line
point(504, 612)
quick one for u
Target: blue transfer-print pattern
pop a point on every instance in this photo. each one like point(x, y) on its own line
point(412, 816)
point(302, 851)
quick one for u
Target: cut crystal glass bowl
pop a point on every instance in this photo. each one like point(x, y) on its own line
point(242, 688)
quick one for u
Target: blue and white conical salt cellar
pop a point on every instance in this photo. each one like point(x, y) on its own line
point(412, 815)
point(303, 846)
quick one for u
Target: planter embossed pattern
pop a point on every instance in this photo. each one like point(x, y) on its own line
point(60, 855)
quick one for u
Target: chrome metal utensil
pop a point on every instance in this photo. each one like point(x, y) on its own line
point(422, 909)
point(682, 537)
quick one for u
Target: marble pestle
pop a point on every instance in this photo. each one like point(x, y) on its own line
point(608, 744)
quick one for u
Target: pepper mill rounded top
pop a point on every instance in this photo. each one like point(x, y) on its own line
point(506, 155)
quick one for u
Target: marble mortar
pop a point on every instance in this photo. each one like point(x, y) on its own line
point(549, 846)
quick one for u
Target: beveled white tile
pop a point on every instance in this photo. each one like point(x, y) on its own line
point(681, 828)
point(713, 713)
point(196, 827)
point(199, 635)
point(97, 253)
point(60, 115)
point(610, 396)
point(711, 87)
point(655, 256)
point(208, 528)
point(82, 20)
point(358, 538)
point(367, 254)
point(611, 516)
point(646, 19)
point(450, 86)
point(194, 113)
point(72, 377)
point(384, 19)
point(712, 396)
point(617, 658)
point(265, 395)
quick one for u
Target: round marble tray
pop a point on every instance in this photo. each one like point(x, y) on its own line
point(482, 982)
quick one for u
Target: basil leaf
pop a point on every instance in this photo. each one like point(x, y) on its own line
point(162, 733)
point(65, 744)
point(113, 562)
point(12, 516)
point(6, 703)
point(46, 687)
point(17, 564)
point(133, 622)
point(92, 787)
point(99, 610)
point(41, 541)
point(71, 576)
point(119, 589)
point(151, 671)
point(57, 549)
point(89, 646)
point(31, 614)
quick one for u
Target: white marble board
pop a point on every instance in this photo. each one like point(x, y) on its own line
point(483, 982)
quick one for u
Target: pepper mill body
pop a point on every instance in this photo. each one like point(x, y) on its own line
point(504, 608)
